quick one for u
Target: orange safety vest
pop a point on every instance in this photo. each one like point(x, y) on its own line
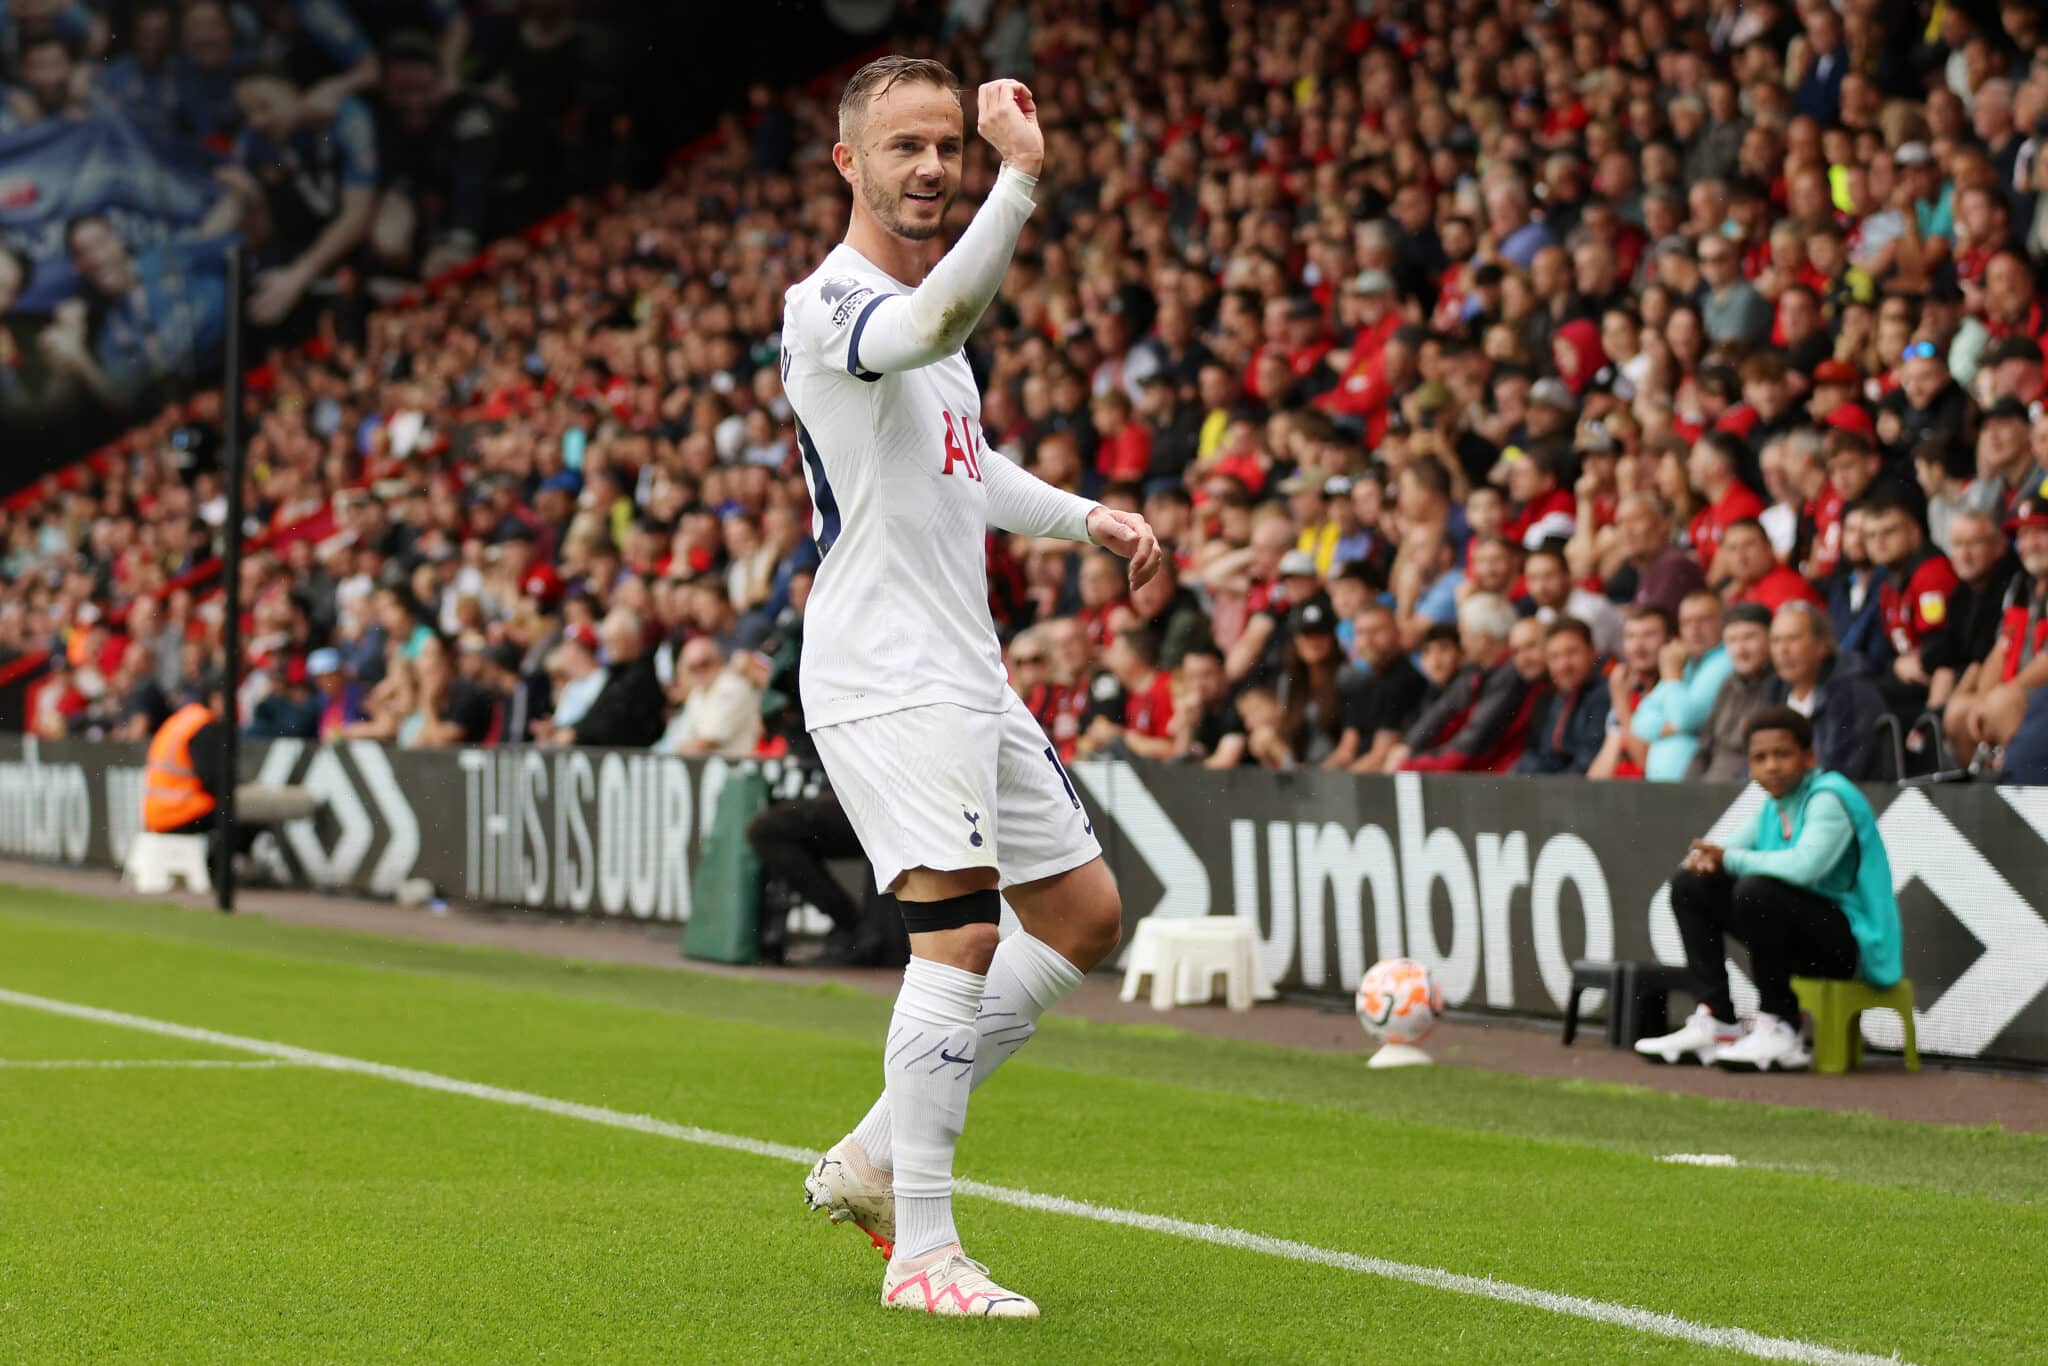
point(172, 795)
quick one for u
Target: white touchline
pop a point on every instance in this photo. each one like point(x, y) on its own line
point(1599, 1311)
point(63, 1064)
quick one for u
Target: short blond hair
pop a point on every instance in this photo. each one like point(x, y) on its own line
point(880, 76)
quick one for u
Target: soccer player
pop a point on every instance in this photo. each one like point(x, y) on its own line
point(948, 781)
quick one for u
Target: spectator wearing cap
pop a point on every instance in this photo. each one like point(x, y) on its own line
point(1730, 308)
point(1570, 722)
point(1985, 567)
point(1720, 756)
point(1691, 668)
point(1990, 702)
point(1927, 405)
point(340, 698)
point(720, 711)
point(1480, 723)
point(1832, 689)
point(1754, 572)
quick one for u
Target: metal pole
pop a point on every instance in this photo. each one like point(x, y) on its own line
point(231, 569)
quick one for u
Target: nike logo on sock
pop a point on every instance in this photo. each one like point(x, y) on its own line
point(944, 1056)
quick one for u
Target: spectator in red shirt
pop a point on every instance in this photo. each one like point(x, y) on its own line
point(1715, 469)
point(1124, 449)
point(1544, 511)
point(1146, 696)
point(1754, 573)
point(1913, 590)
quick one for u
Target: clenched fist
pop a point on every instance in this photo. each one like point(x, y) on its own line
point(1007, 117)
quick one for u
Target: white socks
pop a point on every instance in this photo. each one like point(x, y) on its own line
point(927, 1071)
point(1025, 977)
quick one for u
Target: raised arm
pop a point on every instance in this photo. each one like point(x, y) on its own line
point(894, 332)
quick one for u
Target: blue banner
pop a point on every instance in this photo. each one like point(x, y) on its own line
point(56, 170)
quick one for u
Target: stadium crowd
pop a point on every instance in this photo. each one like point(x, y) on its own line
point(1534, 388)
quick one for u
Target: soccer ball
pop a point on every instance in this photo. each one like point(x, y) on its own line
point(1399, 1001)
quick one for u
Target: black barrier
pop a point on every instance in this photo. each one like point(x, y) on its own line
point(1498, 884)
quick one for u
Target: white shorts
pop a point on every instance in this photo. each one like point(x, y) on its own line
point(945, 787)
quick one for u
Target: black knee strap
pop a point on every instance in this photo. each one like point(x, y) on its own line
point(974, 908)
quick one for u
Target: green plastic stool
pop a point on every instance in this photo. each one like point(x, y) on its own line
point(1837, 1009)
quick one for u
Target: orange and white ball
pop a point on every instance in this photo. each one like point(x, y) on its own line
point(1399, 1001)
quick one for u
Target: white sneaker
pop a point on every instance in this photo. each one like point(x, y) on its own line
point(950, 1282)
point(1771, 1042)
point(846, 1186)
point(1701, 1038)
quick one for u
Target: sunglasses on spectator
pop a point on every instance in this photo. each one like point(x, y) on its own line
point(1919, 351)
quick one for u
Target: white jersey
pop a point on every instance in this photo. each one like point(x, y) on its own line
point(898, 615)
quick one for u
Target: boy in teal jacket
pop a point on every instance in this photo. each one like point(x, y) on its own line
point(1808, 891)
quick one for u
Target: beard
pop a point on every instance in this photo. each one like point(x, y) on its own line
point(887, 207)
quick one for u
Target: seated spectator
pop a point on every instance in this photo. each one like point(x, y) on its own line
point(1570, 723)
point(340, 699)
point(627, 710)
point(1058, 700)
point(1648, 630)
point(1207, 728)
point(1425, 583)
point(1985, 567)
point(1133, 713)
point(1480, 723)
point(1379, 696)
point(1807, 890)
point(1690, 672)
point(1912, 595)
point(1715, 469)
point(1311, 717)
point(577, 679)
point(1987, 709)
point(720, 709)
point(1170, 611)
point(1552, 596)
point(290, 710)
point(1855, 596)
point(1656, 573)
point(390, 703)
point(1754, 572)
point(1545, 510)
point(1833, 690)
point(1721, 756)
point(1943, 470)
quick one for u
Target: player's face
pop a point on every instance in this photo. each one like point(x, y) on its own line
point(907, 167)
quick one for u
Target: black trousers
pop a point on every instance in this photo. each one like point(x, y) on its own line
point(218, 850)
point(794, 839)
point(1788, 931)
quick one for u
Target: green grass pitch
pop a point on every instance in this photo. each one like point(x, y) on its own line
point(297, 1213)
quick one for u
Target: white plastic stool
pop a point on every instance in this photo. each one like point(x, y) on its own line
point(156, 861)
point(1183, 957)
